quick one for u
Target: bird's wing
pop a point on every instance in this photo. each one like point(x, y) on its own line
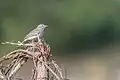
point(34, 32)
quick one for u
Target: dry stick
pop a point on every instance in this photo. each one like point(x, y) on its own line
point(4, 58)
point(30, 55)
point(35, 66)
point(27, 53)
point(18, 44)
point(16, 67)
point(50, 69)
point(33, 74)
point(47, 70)
point(48, 73)
point(41, 71)
point(5, 71)
point(53, 75)
point(58, 68)
point(2, 76)
point(13, 54)
point(8, 68)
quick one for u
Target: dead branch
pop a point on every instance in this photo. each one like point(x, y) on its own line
point(39, 53)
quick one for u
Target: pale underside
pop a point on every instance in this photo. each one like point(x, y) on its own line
point(36, 33)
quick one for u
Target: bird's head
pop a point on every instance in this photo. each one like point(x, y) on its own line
point(42, 26)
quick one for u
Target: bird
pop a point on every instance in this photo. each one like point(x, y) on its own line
point(36, 33)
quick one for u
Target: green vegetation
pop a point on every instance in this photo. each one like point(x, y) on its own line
point(74, 25)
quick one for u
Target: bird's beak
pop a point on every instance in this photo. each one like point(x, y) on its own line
point(46, 26)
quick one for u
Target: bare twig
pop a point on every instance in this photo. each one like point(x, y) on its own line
point(50, 70)
point(17, 44)
point(58, 68)
point(39, 52)
point(17, 66)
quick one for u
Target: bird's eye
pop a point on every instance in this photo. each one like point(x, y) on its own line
point(42, 25)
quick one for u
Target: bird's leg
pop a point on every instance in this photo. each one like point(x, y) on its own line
point(38, 39)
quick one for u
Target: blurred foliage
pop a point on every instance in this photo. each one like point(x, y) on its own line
point(74, 25)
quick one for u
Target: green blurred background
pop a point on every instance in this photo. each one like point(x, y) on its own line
point(88, 28)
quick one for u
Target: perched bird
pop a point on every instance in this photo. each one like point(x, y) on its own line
point(36, 33)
